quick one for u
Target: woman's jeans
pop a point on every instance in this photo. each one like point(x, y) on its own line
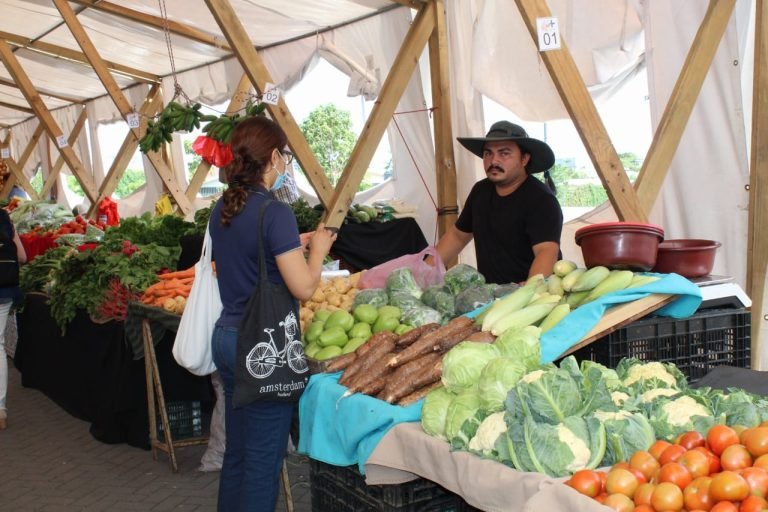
point(5, 308)
point(257, 438)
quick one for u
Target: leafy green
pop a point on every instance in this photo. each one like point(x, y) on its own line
point(401, 280)
point(463, 406)
point(522, 345)
point(435, 410)
point(626, 433)
point(376, 297)
point(464, 363)
point(307, 217)
point(36, 276)
point(472, 298)
point(461, 277)
point(496, 379)
point(164, 230)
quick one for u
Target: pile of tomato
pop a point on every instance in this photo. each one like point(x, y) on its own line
point(724, 471)
point(77, 226)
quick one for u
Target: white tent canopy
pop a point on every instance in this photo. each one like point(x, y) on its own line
point(704, 195)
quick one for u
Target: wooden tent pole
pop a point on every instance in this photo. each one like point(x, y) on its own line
point(445, 164)
point(569, 83)
point(237, 102)
point(122, 104)
point(47, 120)
point(681, 102)
point(11, 181)
point(381, 114)
point(251, 61)
point(757, 253)
point(73, 136)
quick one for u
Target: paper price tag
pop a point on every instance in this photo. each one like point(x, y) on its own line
point(5, 153)
point(61, 141)
point(549, 34)
point(271, 94)
point(133, 120)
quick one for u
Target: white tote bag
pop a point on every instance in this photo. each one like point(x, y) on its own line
point(192, 346)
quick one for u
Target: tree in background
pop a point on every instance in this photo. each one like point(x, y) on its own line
point(195, 159)
point(131, 181)
point(328, 131)
point(632, 164)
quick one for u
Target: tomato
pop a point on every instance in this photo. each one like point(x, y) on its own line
point(623, 465)
point(645, 463)
point(753, 504)
point(761, 462)
point(757, 479)
point(696, 462)
point(658, 448)
point(601, 497)
point(764, 424)
point(603, 477)
point(756, 441)
point(675, 473)
point(696, 494)
point(728, 486)
point(724, 506)
point(671, 454)
point(619, 502)
point(691, 440)
point(736, 457)
point(667, 496)
point(721, 437)
point(643, 494)
point(644, 508)
point(587, 482)
point(714, 460)
point(621, 481)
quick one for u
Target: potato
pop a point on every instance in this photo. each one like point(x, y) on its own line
point(302, 324)
point(354, 278)
point(318, 296)
point(306, 313)
point(341, 284)
point(352, 293)
point(334, 299)
point(169, 305)
point(346, 303)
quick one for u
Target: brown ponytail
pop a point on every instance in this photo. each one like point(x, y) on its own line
point(253, 141)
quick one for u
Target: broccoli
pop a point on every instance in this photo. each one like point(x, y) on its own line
point(461, 277)
point(472, 298)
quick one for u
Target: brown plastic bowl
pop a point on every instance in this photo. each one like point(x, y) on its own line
point(687, 257)
point(620, 245)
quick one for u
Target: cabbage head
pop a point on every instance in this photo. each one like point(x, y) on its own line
point(376, 297)
point(610, 376)
point(401, 280)
point(553, 449)
point(463, 364)
point(497, 378)
point(522, 344)
point(434, 411)
point(463, 406)
point(472, 298)
point(739, 407)
point(626, 433)
point(642, 376)
point(676, 415)
point(461, 277)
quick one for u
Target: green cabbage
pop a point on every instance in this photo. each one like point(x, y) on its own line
point(434, 411)
point(463, 406)
point(497, 378)
point(610, 376)
point(626, 433)
point(739, 407)
point(463, 364)
point(461, 277)
point(522, 344)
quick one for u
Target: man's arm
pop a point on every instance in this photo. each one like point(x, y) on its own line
point(545, 257)
point(452, 242)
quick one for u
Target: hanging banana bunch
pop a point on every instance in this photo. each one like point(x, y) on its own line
point(175, 117)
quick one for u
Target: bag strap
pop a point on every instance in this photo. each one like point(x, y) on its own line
point(262, 259)
point(205, 253)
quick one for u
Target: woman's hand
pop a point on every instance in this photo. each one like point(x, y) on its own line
point(304, 239)
point(321, 240)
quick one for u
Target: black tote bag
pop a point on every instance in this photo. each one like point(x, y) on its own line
point(270, 363)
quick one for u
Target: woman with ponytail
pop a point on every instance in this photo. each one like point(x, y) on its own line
point(257, 433)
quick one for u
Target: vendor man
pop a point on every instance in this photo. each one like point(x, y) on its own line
point(514, 218)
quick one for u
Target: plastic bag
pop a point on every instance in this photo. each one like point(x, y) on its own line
point(426, 275)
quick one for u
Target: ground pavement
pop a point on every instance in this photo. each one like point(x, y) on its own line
point(50, 462)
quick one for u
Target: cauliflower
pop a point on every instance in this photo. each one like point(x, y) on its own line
point(652, 394)
point(619, 397)
point(487, 433)
point(611, 415)
point(650, 370)
point(680, 411)
point(579, 448)
point(532, 376)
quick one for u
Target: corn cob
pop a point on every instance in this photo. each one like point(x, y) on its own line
point(642, 280)
point(574, 299)
point(617, 280)
point(563, 267)
point(591, 278)
point(555, 285)
point(553, 318)
point(522, 317)
point(546, 298)
point(569, 280)
point(512, 302)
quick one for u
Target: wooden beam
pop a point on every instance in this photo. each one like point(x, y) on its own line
point(56, 168)
point(75, 56)
point(381, 114)
point(757, 240)
point(45, 117)
point(20, 179)
point(22, 161)
point(569, 83)
point(26, 110)
point(254, 67)
point(445, 165)
point(413, 4)
point(42, 92)
point(681, 102)
point(174, 27)
point(122, 104)
point(237, 102)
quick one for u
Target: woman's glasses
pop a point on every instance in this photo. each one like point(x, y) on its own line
point(287, 157)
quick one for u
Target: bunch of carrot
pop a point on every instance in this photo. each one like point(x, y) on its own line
point(171, 291)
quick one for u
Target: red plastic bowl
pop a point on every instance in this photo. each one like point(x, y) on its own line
point(620, 245)
point(687, 257)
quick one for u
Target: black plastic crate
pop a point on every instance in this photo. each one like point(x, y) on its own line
point(696, 344)
point(343, 489)
point(185, 419)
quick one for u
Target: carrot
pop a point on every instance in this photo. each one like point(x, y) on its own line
point(418, 394)
point(190, 272)
point(430, 341)
point(397, 385)
point(364, 351)
point(415, 333)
